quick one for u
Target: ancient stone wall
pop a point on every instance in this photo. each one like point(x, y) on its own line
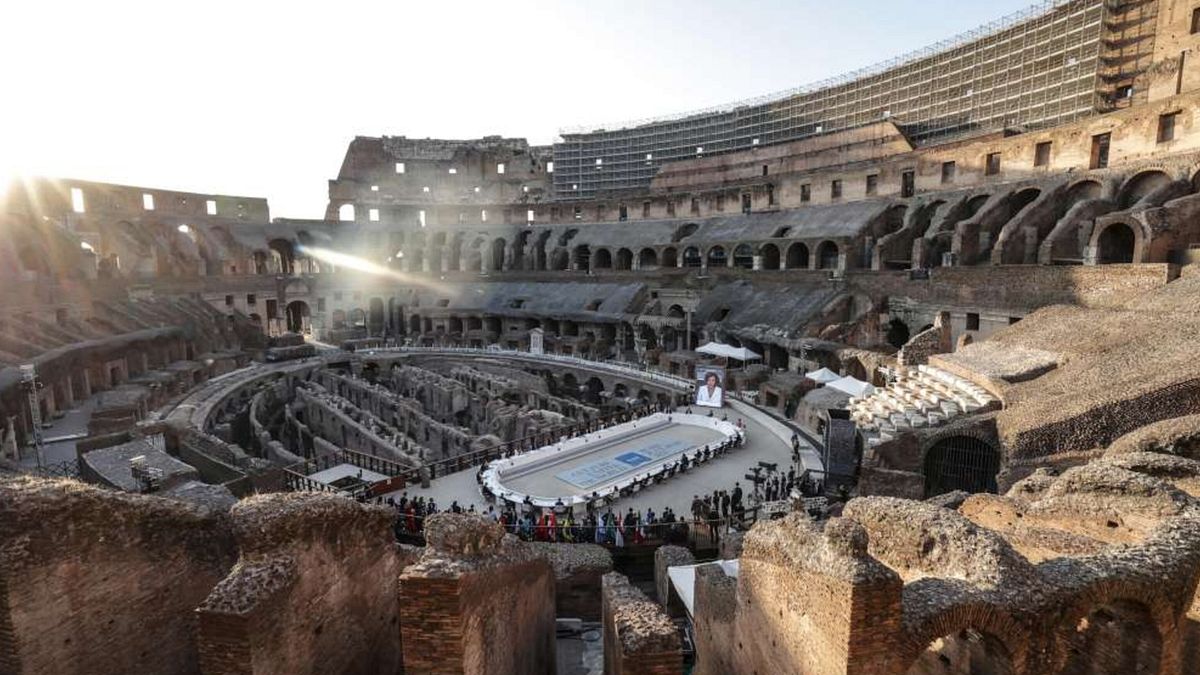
point(101, 581)
point(715, 607)
point(639, 638)
point(578, 569)
point(315, 590)
point(664, 557)
point(476, 602)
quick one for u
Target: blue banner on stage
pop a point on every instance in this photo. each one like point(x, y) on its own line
point(605, 470)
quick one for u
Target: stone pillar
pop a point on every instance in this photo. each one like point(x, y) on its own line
point(639, 637)
point(758, 262)
point(664, 557)
point(476, 602)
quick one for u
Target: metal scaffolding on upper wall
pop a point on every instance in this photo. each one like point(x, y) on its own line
point(1035, 68)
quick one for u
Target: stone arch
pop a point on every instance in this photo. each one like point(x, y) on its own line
point(770, 256)
point(285, 253)
point(1140, 186)
point(375, 316)
point(827, 256)
point(797, 256)
point(414, 323)
point(968, 638)
point(602, 259)
point(960, 461)
point(559, 260)
point(898, 333)
point(684, 231)
point(675, 311)
point(1108, 632)
point(357, 318)
point(624, 260)
point(1083, 189)
point(647, 258)
point(717, 257)
point(691, 257)
point(570, 385)
point(670, 257)
point(298, 316)
point(338, 319)
point(743, 257)
point(498, 246)
point(582, 257)
point(1117, 243)
point(593, 389)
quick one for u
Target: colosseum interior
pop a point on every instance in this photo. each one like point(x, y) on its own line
point(456, 425)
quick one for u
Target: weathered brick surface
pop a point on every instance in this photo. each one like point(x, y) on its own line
point(639, 637)
point(103, 582)
point(476, 603)
point(315, 591)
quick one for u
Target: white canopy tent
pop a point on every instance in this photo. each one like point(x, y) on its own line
point(824, 376)
point(729, 352)
point(853, 386)
point(683, 578)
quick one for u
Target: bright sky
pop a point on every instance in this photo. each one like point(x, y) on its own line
point(261, 98)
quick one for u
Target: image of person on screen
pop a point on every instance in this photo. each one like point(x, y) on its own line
point(710, 393)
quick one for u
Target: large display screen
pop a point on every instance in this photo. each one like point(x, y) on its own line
point(710, 386)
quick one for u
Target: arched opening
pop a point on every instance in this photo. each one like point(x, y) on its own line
point(743, 257)
point(961, 463)
point(670, 257)
point(260, 262)
point(1083, 190)
point(717, 257)
point(570, 385)
point(691, 257)
point(647, 258)
point(1116, 638)
point(1115, 245)
point(560, 260)
point(770, 256)
point(593, 389)
point(1022, 199)
point(498, 253)
point(456, 325)
point(338, 319)
point(684, 231)
point(797, 256)
point(284, 253)
point(675, 312)
point(346, 212)
point(624, 259)
point(358, 318)
point(1141, 186)
point(376, 318)
point(827, 256)
point(602, 259)
point(583, 257)
point(897, 333)
point(414, 324)
point(967, 652)
point(297, 316)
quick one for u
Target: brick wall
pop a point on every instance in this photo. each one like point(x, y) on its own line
point(315, 591)
point(103, 582)
point(479, 619)
point(639, 638)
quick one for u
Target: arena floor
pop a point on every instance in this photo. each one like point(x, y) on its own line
point(766, 440)
point(610, 462)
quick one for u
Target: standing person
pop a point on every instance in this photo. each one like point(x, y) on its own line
point(736, 500)
point(725, 506)
point(697, 506)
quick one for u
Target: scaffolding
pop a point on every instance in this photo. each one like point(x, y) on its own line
point(1033, 69)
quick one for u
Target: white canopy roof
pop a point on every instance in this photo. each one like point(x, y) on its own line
point(824, 376)
point(729, 351)
point(683, 577)
point(852, 386)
